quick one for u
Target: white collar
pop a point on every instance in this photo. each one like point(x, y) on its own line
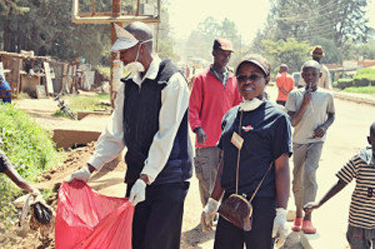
point(151, 73)
point(250, 104)
point(367, 156)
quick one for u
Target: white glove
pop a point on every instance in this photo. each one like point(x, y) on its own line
point(83, 174)
point(138, 192)
point(35, 192)
point(279, 227)
point(208, 214)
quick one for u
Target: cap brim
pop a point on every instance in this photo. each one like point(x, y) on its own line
point(121, 44)
point(258, 64)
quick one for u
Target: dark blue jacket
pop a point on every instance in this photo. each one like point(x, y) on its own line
point(141, 123)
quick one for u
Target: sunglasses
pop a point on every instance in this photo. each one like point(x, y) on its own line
point(244, 78)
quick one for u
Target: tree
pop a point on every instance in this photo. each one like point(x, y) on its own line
point(362, 51)
point(290, 52)
point(47, 29)
point(339, 20)
point(165, 42)
point(201, 39)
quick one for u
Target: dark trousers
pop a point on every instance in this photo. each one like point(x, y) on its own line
point(229, 236)
point(157, 220)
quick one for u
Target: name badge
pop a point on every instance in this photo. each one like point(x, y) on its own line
point(237, 140)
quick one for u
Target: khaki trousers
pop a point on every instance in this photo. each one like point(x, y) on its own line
point(306, 161)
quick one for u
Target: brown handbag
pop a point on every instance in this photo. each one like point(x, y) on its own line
point(237, 209)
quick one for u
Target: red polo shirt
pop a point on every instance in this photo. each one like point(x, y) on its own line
point(209, 101)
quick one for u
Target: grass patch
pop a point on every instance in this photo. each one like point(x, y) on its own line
point(105, 70)
point(84, 103)
point(363, 89)
point(30, 150)
point(87, 103)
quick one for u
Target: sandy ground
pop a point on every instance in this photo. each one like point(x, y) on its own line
point(345, 138)
point(108, 181)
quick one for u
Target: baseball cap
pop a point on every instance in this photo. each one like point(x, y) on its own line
point(258, 60)
point(124, 40)
point(318, 52)
point(220, 43)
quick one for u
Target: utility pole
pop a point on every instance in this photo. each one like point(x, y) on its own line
point(116, 11)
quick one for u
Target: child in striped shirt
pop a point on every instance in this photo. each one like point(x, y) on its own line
point(361, 230)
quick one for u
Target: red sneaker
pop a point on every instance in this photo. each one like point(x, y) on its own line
point(308, 228)
point(297, 224)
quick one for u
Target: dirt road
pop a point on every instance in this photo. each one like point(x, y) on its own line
point(345, 137)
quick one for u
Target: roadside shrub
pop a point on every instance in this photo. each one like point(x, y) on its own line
point(364, 77)
point(366, 71)
point(364, 80)
point(344, 83)
point(30, 150)
point(363, 90)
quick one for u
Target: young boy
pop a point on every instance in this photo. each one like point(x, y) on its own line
point(361, 230)
point(312, 112)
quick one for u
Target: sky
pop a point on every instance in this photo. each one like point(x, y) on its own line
point(249, 15)
point(186, 14)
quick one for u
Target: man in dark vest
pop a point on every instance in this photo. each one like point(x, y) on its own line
point(151, 120)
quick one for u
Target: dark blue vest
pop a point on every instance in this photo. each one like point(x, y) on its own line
point(141, 123)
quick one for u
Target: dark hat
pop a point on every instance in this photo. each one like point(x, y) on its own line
point(258, 60)
point(223, 44)
point(1, 78)
point(318, 52)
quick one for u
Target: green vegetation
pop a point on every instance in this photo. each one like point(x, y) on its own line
point(84, 103)
point(343, 83)
point(291, 51)
point(29, 148)
point(87, 103)
point(364, 79)
point(363, 89)
point(104, 70)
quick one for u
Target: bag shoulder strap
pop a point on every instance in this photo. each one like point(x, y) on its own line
point(238, 164)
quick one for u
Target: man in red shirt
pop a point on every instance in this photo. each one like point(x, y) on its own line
point(285, 84)
point(214, 92)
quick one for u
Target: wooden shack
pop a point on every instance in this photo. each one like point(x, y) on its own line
point(28, 73)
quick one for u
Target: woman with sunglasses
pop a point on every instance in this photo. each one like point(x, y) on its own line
point(256, 141)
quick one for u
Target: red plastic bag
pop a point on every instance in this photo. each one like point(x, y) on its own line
point(86, 219)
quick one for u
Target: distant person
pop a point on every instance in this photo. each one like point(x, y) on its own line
point(214, 92)
point(5, 90)
point(325, 80)
point(361, 229)
point(150, 119)
point(312, 112)
point(7, 168)
point(284, 83)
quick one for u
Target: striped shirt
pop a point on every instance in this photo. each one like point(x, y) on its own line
point(362, 206)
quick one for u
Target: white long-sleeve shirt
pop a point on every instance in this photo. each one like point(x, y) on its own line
point(174, 104)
